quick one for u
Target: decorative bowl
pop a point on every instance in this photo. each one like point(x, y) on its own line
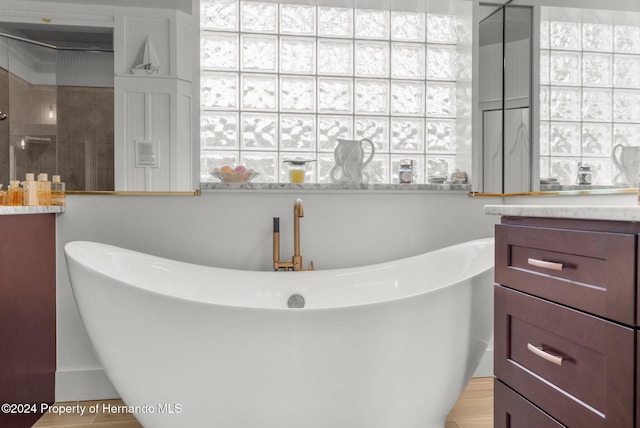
point(235, 176)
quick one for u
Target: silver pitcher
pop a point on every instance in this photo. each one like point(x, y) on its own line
point(350, 161)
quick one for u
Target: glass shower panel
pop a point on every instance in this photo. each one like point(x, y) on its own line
point(32, 109)
point(4, 110)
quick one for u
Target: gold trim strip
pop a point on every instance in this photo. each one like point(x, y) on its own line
point(626, 190)
point(132, 193)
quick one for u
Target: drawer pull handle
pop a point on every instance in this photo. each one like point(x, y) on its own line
point(545, 265)
point(555, 359)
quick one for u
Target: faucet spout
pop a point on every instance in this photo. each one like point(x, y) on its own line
point(298, 209)
point(298, 212)
point(296, 261)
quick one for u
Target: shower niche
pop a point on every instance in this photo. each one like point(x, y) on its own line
point(56, 90)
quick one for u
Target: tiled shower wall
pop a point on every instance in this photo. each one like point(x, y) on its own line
point(74, 128)
point(85, 136)
point(284, 81)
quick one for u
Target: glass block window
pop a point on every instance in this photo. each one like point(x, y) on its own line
point(589, 98)
point(285, 81)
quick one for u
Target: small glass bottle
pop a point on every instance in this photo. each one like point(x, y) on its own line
point(57, 191)
point(44, 190)
point(15, 193)
point(584, 175)
point(30, 187)
point(405, 172)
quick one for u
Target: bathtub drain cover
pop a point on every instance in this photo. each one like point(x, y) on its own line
point(295, 301)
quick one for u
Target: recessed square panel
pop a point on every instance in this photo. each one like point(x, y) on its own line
point(297, 132)
point(219, 14)
point(441, 99)
point(212, 159)
point(626, 71)
point(375, 129)
point(407, 135)
point(219, 90)
point(335, 95)
point(298, 19)
point(330, 128)
point(266, 163)
point(372, 59)
point(378, 169)
point(597, 37)
point(564, 103)
point(407, 61)
point(407, 98)
point(259, 92)
point(596, 139)
point(259, 131)
point(259, 53)
point(626, 106)
point(441, 136)
point(441, 28)
point(259, 17)
point(565, 35)
point(335, 57)
point(298, 94)
point(219, 51)
point(565, 68)
point(372, 96)
point(596, 69)
point(565, 138)
point(372, 24)
point(297, 55)
point(219, 130)
point(626, 39)
point(596, 105)
point(441, 62)
point(408, 26)
point(335, 22)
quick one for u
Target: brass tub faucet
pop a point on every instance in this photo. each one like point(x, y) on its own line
point(296, 261)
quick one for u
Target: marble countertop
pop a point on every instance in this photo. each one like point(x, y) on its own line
point(335, 187)
point(584, 212)
point(17, 210)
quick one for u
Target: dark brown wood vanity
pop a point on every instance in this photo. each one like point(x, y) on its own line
point(27, 317)
point(566, 323)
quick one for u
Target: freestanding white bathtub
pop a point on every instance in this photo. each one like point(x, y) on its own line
point(389, 345)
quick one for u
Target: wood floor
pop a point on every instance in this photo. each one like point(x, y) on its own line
point(474, 409)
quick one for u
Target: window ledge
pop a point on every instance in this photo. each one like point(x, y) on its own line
point(391, 188)
point(576, 187)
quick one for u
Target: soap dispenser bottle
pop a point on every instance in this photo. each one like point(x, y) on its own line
point(15, 193)
point(30, 186)
point(44, 189)
point(57, 191)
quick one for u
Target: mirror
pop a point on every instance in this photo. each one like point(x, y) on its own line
point(505, 99)
point(583, 120)
point(589, 96)
point(56, 88)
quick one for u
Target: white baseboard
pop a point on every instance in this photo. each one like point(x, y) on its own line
point(83, 385)
point(485, 368)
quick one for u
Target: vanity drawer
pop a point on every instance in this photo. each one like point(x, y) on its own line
point(591, 271)
point(590, 385)
point(511, 410)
